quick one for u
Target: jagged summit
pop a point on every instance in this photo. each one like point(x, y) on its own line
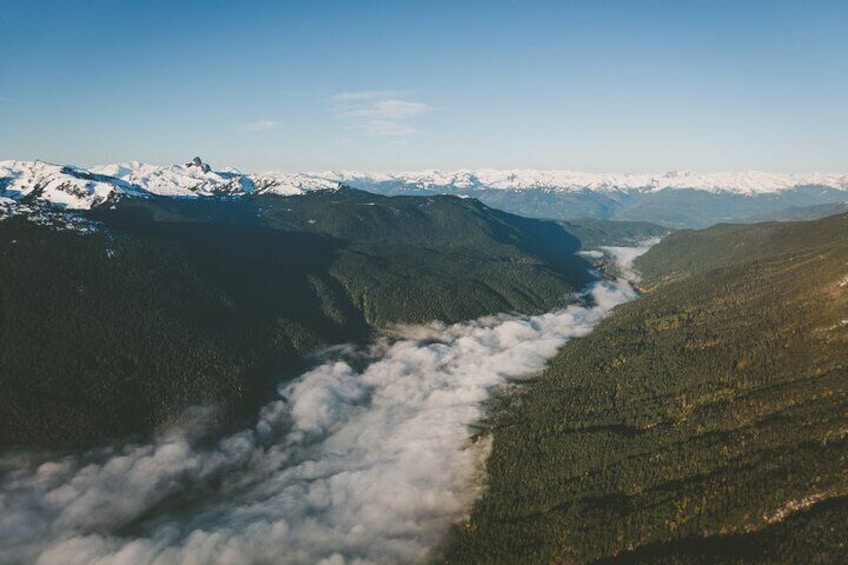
point(198, 162)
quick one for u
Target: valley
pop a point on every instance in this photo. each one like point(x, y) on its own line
point(445, 282)
point(197, 334)
point(165, 303)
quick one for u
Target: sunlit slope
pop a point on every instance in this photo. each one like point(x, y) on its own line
point(705, 422)
point(688, 252)
point(183, 302)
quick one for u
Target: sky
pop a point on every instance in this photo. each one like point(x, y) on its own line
point(593, 85)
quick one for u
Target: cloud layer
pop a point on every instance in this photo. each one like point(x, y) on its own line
point(260, 125)
point(363, 459)
point(625, 256)
point(379, 112)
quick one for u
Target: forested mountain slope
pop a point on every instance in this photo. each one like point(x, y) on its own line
point(688, 252)
point(702, 423)
point(165, 303)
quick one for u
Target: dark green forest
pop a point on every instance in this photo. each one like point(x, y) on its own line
point(706, 422)
point(172, 303)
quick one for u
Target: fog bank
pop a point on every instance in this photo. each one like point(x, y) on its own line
point(365, 458)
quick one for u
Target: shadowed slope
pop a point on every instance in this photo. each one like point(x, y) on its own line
point(177, 302)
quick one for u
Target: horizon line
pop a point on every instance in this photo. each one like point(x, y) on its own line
point(371, 171)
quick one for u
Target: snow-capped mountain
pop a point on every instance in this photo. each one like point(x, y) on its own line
point(64, 186)
point(74, 188)
point(745, 182)
point(289, 184)
point(195, 178)
point(675, 199)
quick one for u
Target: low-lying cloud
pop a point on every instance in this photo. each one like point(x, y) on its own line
point(365, 458)
point(625, 256)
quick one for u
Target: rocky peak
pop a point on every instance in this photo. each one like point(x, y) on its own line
point(198, 162)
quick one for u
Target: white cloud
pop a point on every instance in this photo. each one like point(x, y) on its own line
point(260, 125)
point(379, 112)
point(365, 95)
point(625, 256)
point(347, 465)
point(387, 110)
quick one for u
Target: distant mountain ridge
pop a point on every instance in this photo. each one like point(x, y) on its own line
point(675, 199)
point(742, 182)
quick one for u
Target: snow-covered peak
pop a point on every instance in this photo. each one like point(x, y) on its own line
point(75, 188)
point(289, 184)
point(745, 182)
point(63, 186)
point(192, 179)
point(197, 178)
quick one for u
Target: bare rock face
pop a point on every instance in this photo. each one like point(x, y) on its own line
point(198, 162)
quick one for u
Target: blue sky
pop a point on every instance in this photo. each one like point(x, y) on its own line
point(596, 85)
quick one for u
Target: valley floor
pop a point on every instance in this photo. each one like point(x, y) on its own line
point(364, 457)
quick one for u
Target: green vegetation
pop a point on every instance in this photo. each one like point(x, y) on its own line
point(595, 233)
point(795, 213)
point(705, 422)
point(699, 208)
point(214, 301)
point(689, 252)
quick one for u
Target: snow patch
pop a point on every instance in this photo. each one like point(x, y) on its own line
point(625, 256)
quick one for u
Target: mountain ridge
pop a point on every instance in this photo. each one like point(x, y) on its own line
point(76, 188)
point(674, 199)
point(198, 178)
point(742, 182)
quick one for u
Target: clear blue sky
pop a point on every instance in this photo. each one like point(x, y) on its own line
point(597, 85)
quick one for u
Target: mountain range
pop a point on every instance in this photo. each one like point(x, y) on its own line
point(675, 199)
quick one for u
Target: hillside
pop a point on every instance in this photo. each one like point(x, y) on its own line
point(688, 252)
point(703, 423)
point(795, 213)
point(113, 323)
